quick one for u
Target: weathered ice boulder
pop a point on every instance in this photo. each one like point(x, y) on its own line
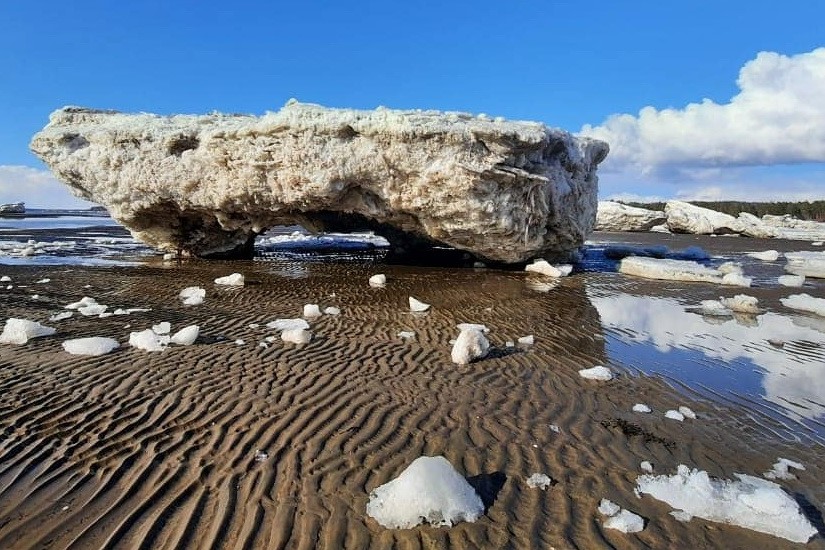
point(615, 216)
point(505, 191)
point(683, 217)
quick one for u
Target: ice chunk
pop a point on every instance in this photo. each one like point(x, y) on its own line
point(780, 469)
point(810, 264)
point(715, 308)
point(528, 340)
point(192, 295)
point(596, 373)
point(61, 316)
point(470, 345)
point(162, 328)
point(473, 326)
point(331, 310)
point(805, 302)
point(674, 415)
point(186, 336)
point(92, 309)
point(646, 466)
point(287, 324)
point(430, 490)
point(406, 335)
point(641, 408)
point(791, 280)
point(95, 345)
point(83, 302)
point(378, 280)
point(625, 521)
point(240, 342)
point(608, 507)
point(543, 267)
point(312, 310)
point(748, 502)
point(147, 340)
point(668, 270)
point(687, 412)
point(539, 480)
point(765, 256)
point(418, 306)
point(736, 279)
point(42, 281)
point(729, 267)
point(741, 303)
point(296, 336)
point(19, 331)
point(235, 279)
point(5, 279)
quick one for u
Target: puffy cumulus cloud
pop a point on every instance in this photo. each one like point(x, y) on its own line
point(777, 118)
point(37, 188)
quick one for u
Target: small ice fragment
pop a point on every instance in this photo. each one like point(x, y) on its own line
point(641, 408)
point(260, 456)
point(19, 331)
point(687, 412)
point(131, 310)
point(92, 309)
point(35, 296)
point(817, 243)
point(406, 335)
point(331, 310)
point(148, 340)
point(5, 279)
point(296, 336)
point(378, 280)
point(608, 507)
point(253, 325)
point(509, 344)
point(470, 345)
point(741, 303)
point(554, 428)
point(539, 480)
point(162, 328)
point(83, 302)
point(596, 373)
point(428, 490)
point(626, 522)
point(60, 316)
point(270, 339)
point(543, 267)
point(42, 281)
point(95, 345)
point(168, 256)
point(417, 305)
point(192, 295)
point(674, 415)
point(263, 345)
point(287, 324)
point(312, 310)
point(186, 336)
point(736, 279)
point(9, 287)
point(235, 279)
point(528, 340)
point(780, 469)
point(806, 303)
point(646, 467)
point(791, 280)
point(681, 515)
point(240, 342)
point(765, 256)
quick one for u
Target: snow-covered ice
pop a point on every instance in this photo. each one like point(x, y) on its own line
point(296, 336)
point(791, 280)
point(714, 308)
point(741, 303)
point(312, 310)
point(19, 331)
point(736, 279)
point(765, 255)
point(748, 502)
point(470, 345)
point(378, 280)
point(430, 490)
point(806, 303)
point(780, 469)
point(596, 373)
point(235, 279)
point(192, 295)
point(539, 480)
point(186, 336)
point(417, 305)
point(287, 324)
point(94, 345)
point(641, 408)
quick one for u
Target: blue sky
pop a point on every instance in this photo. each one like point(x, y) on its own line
point(569, 64)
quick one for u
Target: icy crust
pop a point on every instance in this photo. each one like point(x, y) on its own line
point(503, 190)
point(748, 502)
point(429, 490)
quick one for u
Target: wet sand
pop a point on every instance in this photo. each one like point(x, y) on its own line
point(158, 450)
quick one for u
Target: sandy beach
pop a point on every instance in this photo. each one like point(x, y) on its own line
point(229, 445)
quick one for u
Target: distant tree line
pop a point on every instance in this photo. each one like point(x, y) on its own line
point(811, 210)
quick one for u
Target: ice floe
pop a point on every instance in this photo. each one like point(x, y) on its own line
point(235, 279)
point(806, 303)
point(669, 270)
point(94, 345)
point(765, 255)
point(470, 345)
point(791, 280)
point(192, 295)
point(808, 263)
point(19, 331)
point(748, 502)
point(428, 490)
point(542, 481)
point(596, 373)
point(417, 305)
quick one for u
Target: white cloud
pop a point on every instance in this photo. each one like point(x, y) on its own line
point(37, 188)
point(777, 118)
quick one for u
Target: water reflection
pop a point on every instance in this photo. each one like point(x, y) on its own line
point(776, 357)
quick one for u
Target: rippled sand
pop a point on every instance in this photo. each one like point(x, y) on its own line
point(158, 450)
